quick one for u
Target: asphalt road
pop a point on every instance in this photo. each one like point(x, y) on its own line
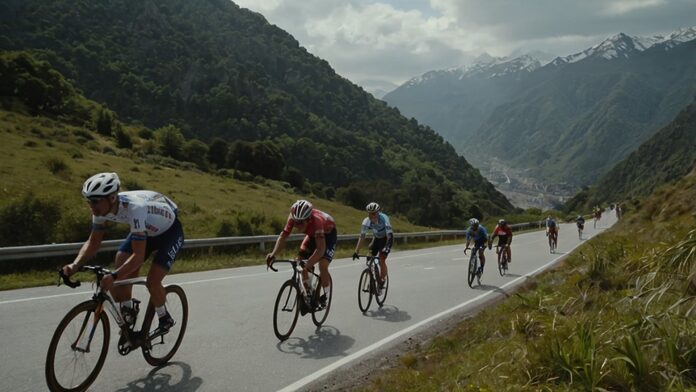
point(230, 345)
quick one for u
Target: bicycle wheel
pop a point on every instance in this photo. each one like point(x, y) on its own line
point(364, 290)
point(501, 263)
point(78, 349)
point(473, 266)
point(380, 297)
point(320, 314)
point(162, 348)
point(286, 309)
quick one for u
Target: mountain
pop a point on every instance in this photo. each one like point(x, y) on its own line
point(568, 121)
point(666, 157)
point(224, 75)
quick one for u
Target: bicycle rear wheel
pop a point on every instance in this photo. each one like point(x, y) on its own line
point(162, 348)
point(78, 349)
point(365, 290)
point(320, 314)
point(286, 310)
point(473, 266)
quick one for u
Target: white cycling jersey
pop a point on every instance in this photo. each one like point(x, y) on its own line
point(144, 211)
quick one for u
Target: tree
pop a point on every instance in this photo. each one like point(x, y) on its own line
point(105, 121)
point(195, 151)
point(217, 153)
point(170, 141)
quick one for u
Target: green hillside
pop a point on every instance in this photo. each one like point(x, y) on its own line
point(252, 95)
point(664, 158)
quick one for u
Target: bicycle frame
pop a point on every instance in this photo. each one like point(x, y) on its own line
point(297, 268)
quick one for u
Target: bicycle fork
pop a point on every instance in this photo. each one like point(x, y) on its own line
point(89, 327)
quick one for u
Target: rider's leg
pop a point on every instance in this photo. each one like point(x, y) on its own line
point(123, 293)
point(482, 257)
point(382, 266)
point(325, 277)
point(509, 253)
point(154, 285)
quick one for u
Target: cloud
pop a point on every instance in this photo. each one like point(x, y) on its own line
point(394, 40)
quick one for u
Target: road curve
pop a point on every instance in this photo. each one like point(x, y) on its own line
point(230, 345)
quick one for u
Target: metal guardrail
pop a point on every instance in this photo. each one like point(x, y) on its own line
point(51, 250)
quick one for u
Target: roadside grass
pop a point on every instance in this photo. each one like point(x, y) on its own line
point(619, 314)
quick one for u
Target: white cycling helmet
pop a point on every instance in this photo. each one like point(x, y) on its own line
point(373, 207)
point(501, 222)
point(301, 210)
point(100, 185)
point(473, 222)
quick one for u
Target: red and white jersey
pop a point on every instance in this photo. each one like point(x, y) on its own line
point(505, 230)
point(319, 223)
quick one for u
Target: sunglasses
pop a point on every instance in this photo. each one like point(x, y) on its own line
point(93, 200)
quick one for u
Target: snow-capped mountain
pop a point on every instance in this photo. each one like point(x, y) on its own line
point(484, 66)
point(624, 46)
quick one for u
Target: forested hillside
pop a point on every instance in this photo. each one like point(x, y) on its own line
point(666, 157)
point(258, 101)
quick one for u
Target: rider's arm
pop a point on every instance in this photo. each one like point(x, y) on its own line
point(89, 248)
point(360, 240)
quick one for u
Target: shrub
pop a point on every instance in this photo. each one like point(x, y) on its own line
point(57, 165)
point(28, 221)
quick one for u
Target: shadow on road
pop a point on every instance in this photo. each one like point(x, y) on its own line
point(389, 313)
point(326, 342)
point(509, 275)
point(173, 376)
point(488, 287)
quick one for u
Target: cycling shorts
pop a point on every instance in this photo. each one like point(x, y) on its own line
point(480, 243)
point(166, 244)
point(377, 245)
point(309, 245)
point(503, 240)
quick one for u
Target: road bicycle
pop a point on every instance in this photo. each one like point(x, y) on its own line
point(80, 343)
point(502, 259)
point(474, 263)
point(369, 286)
point(294, 297)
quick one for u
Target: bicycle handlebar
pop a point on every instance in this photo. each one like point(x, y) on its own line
point(97, 269)
point(294, 263)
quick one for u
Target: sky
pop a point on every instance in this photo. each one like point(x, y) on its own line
point(380, 44)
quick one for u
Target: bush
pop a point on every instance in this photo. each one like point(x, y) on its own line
point(57, 165)
point(123, 139)
point(28, 221)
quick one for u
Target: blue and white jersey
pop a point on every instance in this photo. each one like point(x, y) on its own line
point(379, 229)
point(478, 235)
point(144, 211)
point(551, 223)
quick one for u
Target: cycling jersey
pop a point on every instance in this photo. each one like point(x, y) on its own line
point(504, 234)
point(379, 229)
point(318, 223)
point(551, 224)
point(144, 211)
point(479, 235)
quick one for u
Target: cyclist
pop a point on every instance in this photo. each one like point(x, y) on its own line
point(479, 234)
point(504, 233)
point(552, 229)
point(580, 222)
point(382, 240)
point(154, 227)
point(318, 245)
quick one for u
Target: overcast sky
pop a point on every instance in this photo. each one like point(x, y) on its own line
point(371, 41)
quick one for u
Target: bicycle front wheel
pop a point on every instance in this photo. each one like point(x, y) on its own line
point(286, 310)
point(501, 264)
point(473, 266)
point(161, 349)
point(320, 313)
point(78, 348)
point(364, 290)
